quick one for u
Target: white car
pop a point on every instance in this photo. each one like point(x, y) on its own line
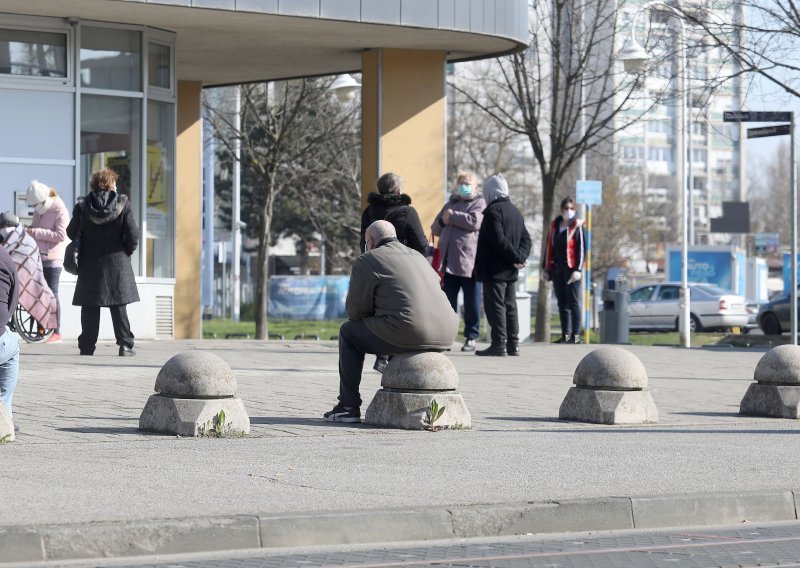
point(655, 306)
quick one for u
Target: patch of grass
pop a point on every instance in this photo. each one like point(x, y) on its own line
point(648, 338)
point(217, 428)
point(289, 329)
point(5, 439)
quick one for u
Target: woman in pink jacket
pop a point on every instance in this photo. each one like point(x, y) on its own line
point(49, 229)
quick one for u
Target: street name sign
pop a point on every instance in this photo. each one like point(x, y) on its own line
point(779, 130)
point(755, 116)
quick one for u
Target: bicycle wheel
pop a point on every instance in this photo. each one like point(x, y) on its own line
point(28, 328)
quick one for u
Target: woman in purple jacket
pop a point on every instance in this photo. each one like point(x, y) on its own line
point(457, 226)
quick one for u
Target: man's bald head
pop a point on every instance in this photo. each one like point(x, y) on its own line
point(378, 231)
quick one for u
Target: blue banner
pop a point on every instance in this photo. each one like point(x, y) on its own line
point(705, 266)
point(308, 297)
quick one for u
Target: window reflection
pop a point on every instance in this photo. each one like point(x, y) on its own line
point(111, 59)
point(110, 138)
point(35, 54)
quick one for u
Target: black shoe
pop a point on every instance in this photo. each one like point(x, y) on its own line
point(561, 339)
point(512, 349)
point(381, 362)
point(469, 345)
point(89, 353)
point(493, 351)
point(574, 339)
point(126, 351)
point(341, 413)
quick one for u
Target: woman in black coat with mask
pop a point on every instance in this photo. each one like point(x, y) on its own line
point(105, 224)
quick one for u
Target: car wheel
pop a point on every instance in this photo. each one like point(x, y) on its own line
point(770, 324)
point(694, 324)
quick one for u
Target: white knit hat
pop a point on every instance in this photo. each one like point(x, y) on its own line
point(37, 192)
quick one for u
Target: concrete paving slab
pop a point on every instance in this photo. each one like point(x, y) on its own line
point(80, 458)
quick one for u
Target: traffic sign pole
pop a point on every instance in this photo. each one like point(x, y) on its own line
point(587, 281)
point(794, 233)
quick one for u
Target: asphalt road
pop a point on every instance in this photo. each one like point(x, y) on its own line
point(744, 547)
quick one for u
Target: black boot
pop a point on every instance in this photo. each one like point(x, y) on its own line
point(512, 348)
point(494, 350)
point(126, 351)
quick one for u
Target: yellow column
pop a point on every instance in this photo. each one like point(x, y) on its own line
point(188, 186)
point(403, 124)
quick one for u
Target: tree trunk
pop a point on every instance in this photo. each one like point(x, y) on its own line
point(261, 299)
point(543, 315)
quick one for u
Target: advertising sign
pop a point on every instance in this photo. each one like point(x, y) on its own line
point(704, 266)
point(308, 297)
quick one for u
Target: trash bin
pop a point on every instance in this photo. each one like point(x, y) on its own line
point(614, 317)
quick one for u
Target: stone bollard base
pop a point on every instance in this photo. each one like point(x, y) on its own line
point(608, 406)
point(774, 401)
point(6, 425)
point(193, 416)
point(407, 410)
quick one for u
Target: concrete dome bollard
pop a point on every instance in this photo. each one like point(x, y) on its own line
point(776, 392)
point(6, 425)
point(411, 382)
point(610, 388)
point(194, 389)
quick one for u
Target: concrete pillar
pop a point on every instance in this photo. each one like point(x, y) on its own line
point(404, 125)
point(188, 192)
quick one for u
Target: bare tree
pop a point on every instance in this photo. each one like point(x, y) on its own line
point(284, 126)
point(768, 196)
point(566, 94)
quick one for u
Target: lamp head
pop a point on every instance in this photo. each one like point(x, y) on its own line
point(345, 88)
point(633, 56)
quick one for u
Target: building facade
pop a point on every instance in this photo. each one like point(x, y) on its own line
point(648, 154)
point(87, 84)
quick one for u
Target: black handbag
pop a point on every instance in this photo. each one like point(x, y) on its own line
point(72, 256)
point(73, 252)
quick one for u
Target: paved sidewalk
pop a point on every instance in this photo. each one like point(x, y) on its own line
point(80, 458)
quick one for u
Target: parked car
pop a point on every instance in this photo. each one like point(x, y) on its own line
point(775, 316)
point(655, 306)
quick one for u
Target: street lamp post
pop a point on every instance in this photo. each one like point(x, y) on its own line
point(634, 57)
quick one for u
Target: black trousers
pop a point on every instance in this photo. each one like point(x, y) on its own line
point(569, 300)
point(472, 301)
point(355, 339)
point(90, 327)
point(500, 305)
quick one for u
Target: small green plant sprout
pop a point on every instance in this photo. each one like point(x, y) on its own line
point(5, 439)
point(216, 428)
point(432, 414)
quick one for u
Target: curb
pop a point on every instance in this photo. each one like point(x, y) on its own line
point(207, 534)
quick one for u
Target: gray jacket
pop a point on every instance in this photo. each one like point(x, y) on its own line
point(458, 240)
point(397, 294)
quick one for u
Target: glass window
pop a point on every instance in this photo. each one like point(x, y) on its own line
point(668, 293)
point(111, 59)
point(33, 54)
point(642, 294)
point(110, 138)
point(158, 66)
point(160, 180)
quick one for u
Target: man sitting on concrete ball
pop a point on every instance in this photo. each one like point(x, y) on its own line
point(395, 305)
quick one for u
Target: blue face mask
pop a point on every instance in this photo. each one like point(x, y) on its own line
point(464, 190)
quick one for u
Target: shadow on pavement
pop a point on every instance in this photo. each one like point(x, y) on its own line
point(101, 430)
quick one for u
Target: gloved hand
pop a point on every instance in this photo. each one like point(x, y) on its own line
point(545, 276)
point(574, 277)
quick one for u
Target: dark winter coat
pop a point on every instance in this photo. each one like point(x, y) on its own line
point(397, 295)
point(503, 241)
point(110, 236)
point(398, 211)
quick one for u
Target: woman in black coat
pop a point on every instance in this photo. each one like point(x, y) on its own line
point(105, 225)
point(391, 204)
